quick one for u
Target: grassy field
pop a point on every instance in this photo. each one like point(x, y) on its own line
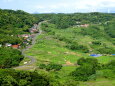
point(49, 49)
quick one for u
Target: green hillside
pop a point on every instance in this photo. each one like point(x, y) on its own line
point(65, 42)
point(62, 51)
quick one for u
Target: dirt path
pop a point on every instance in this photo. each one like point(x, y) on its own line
point(30, 65)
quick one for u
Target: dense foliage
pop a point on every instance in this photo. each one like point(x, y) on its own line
point(51, 66)
point(10, 77)
point(13, 23)
point(66, 20)
point(9, 57)
point(90, 69)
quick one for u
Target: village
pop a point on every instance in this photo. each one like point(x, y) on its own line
point(27, 38)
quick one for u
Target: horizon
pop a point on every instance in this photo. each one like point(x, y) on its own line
point(60, 6)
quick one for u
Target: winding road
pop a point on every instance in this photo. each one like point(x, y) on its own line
point(30, 65)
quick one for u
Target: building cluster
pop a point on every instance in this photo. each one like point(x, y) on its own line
point(27, 38)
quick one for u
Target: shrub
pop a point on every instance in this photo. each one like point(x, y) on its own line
point(106, 50)
point(75, 46)
point(52, 66)
point(92, 77)
point(81, 61)
point(91, 61)
point(71, 83)
point(42, 66)
point(96, 42)
point(107, 73)
point(110, 65)
point(83, 72)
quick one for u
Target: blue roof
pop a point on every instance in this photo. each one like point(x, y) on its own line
point(113, 54)
point(96, 55)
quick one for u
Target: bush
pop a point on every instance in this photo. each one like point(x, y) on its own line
point(92, 77)
point(75, 46)
point(10, 57)
point(107, 73)
point(55, 67)
point(96, 42)
point(106, 50)
point(71, 83)
point(91, 61)
point(110, 65)
point(81, 61)
point(83, 72)
point(42, 66)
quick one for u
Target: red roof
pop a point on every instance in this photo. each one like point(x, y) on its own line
point(15, 46)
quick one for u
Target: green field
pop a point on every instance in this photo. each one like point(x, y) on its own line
point(48, 49)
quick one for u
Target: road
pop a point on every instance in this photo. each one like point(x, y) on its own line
point(30, 65)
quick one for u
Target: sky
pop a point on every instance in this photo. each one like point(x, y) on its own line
point(59, 6)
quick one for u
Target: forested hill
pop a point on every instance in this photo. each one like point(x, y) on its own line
point(67, 20)
point(10, 19)
point(13, 23)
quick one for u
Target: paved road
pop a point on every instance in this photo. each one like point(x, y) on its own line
point(30, 65)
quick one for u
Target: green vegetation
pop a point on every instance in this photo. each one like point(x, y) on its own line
point(92, 39)
point(10, 77)
point(62, 50)
point(65, 41)
point(51, 66)
point(9, 57)
point(13, 23)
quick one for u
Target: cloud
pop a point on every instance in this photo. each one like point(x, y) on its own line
point(61, 5)
point(76, 5)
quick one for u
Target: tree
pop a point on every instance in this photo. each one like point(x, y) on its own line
point(83, 72)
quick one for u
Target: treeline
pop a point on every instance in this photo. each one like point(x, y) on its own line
point(66, 20)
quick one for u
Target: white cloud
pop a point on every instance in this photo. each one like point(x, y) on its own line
point(62, 5)
point(77, 4)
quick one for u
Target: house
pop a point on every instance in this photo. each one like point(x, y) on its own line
point(84, 25)
point(24, 35)
point(16, 46)
point(33, 30)
point(8, 45)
